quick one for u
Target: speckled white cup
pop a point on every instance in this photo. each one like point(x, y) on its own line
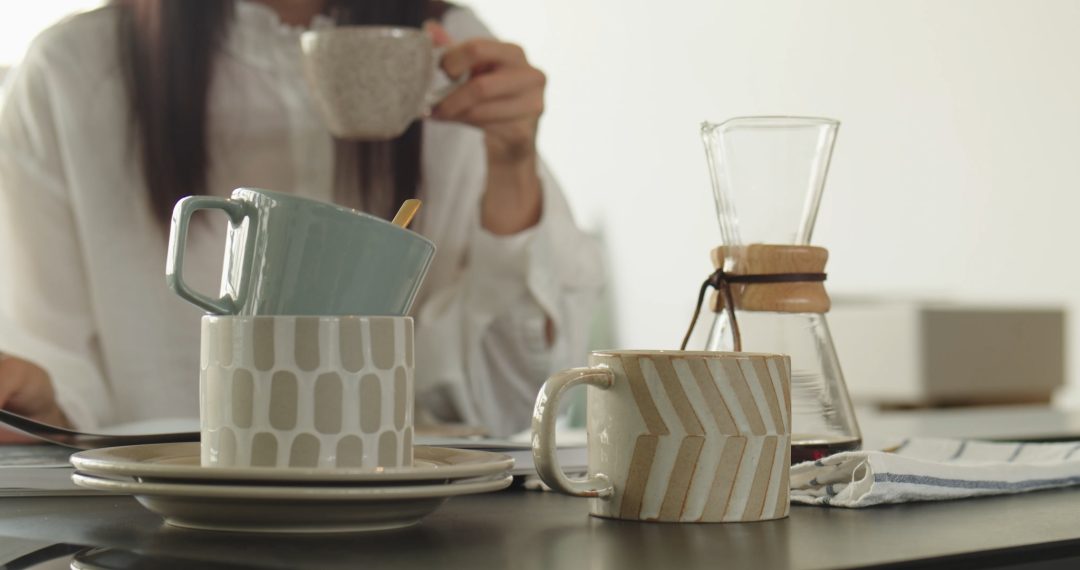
point(313, 392)
point(371, 82)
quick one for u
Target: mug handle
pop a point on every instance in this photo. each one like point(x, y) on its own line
point(543, 432)
point(435, 96)
point(174, 262)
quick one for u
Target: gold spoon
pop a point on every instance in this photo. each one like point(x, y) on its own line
point(406, 212)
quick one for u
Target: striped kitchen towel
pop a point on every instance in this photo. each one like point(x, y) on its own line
point(926, 469)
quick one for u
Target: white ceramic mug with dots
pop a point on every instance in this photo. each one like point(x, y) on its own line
point(306, 391)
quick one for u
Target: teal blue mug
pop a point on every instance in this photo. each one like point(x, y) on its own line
point(287, 255)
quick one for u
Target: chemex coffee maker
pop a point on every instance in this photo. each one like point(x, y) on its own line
point(768, 174)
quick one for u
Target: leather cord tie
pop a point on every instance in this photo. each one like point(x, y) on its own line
point(722, 282)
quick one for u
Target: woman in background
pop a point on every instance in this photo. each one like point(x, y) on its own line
point(117, 113)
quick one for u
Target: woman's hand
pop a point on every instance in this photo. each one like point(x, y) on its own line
point(504, 97)
point(26, 390)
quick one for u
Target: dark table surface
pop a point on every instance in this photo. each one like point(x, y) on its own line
point(533, 530)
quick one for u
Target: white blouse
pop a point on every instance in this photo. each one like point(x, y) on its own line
point(82, 258)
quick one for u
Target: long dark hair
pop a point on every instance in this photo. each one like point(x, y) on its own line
point(168, 49)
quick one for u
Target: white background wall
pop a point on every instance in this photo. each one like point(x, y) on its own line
point(21, 21)
point(956, 173)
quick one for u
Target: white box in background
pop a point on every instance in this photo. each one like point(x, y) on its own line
point(914, 353)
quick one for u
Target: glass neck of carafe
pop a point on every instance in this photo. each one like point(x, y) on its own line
point(767, 175)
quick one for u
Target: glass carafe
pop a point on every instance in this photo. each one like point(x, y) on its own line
point(768, 174)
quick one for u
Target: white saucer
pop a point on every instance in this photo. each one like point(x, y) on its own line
point(294, 509)
point(180, 461)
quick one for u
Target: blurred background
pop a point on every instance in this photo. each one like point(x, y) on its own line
point(954, 178)
point(955, 175)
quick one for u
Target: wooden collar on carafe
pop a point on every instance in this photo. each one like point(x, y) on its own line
point(764, 259)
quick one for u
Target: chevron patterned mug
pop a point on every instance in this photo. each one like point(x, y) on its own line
point(677, 436)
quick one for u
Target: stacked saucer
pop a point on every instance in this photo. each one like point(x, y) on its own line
point(169, 480)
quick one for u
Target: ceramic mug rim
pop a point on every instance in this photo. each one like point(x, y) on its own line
point(308, 202)
point(330, 318)
point(614, 353)
point(360, 31)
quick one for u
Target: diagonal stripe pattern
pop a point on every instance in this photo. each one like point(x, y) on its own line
point(693, 462)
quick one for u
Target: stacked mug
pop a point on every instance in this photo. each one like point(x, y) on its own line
point(306, 353)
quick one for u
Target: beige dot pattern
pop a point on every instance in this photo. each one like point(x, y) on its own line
point(317, 392)
point(328, 394)
point(243, 393)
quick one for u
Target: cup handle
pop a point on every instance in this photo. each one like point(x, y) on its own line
point(174, 261)
point(543, 432)
point(435, 96)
